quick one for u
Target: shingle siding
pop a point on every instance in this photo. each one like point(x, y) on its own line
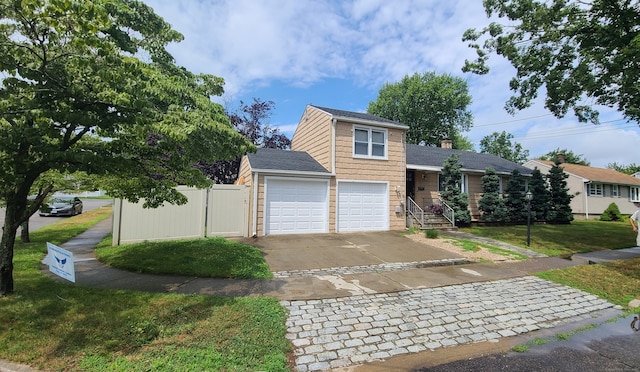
point(313, 135)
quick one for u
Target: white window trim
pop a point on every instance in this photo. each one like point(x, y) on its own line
point(464, 183)
point(369, 142)
point(634, 194)
point(596, 191)
point(615, 191)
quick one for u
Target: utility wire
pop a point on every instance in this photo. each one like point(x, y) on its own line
point(570, 133)
point(511, 121)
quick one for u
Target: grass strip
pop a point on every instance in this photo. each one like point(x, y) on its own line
point(563, 240)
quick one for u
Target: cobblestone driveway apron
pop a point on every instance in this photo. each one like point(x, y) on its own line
point(340, 332)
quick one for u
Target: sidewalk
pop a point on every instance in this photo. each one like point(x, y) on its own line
point(341, 319)
point(306, 284)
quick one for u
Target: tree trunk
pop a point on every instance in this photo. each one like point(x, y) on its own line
point(6, 251)
point(24, 232)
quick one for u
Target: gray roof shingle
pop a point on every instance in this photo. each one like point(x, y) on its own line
point(298, 161)
point(357, 115)
point(284, 160)
point(472, 161)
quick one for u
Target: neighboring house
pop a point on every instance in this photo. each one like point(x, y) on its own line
point(593, 189)
point(348, 172)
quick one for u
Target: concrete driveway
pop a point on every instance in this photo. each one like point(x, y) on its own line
point(315, 251)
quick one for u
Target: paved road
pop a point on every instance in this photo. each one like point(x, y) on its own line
point(611, 346)
point(36, 222)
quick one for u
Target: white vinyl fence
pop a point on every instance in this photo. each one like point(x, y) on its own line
point(221, 210)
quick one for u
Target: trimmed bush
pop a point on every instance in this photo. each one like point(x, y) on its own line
point(612, 213)
point(431, 234)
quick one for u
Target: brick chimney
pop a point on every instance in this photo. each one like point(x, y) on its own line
point(560, 158)
point(446, 144)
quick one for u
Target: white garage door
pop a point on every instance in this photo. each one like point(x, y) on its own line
point(296, 206)
point(362, 206)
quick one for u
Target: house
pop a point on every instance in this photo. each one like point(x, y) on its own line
point(594, 189)
point(425, 163)
point(348, 172)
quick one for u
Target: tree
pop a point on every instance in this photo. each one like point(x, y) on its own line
point(461, 142)
point(514, 200)
point(452, 190)
point(559, 198)
point(248, 120)
point(433, 106)
point(564, 156)
point(626, 169)
point(89, 86)
point(579, 52)
point(491, 203)
point(540, 192)
point(499, 144)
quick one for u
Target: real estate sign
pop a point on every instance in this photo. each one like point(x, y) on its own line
point(61, 262)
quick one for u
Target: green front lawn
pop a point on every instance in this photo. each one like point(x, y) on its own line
point(618, 282)
point(55, 325)
point(563, 240)
point(209, 258)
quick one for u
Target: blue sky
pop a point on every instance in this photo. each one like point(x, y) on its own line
point(339, 53)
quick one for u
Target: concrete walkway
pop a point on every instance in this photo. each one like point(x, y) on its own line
point(343, 317)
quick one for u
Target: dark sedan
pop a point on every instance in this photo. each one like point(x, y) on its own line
point(61, 206)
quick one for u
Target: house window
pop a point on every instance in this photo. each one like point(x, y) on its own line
point(595, 189)
point(463, 183)
point(369, 143)
point(634, 194)
point(615, 191)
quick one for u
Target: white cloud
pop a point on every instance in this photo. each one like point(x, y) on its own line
point(280, 44)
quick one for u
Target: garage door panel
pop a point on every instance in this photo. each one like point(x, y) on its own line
point(362, 206)
point(296, 206)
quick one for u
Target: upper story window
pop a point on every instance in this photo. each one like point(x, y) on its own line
point(615, 191)
point(595, 189)
point(369, 143)
point(634, 194)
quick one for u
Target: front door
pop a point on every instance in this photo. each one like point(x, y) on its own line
point(411, 184)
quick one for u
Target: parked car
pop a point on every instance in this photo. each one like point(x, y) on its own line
point(61, 206)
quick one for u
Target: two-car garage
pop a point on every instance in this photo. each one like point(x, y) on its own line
point(301, 206)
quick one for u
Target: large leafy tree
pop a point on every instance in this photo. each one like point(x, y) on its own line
point(452, 190)
point(250, 120)
point(579, 52)
point(461, 142)
point(89, 86)
point(500, 144)
point(433, 106)
point(626, 169)
point(565, 156)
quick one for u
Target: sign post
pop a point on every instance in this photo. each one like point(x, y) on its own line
point(61, 262)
